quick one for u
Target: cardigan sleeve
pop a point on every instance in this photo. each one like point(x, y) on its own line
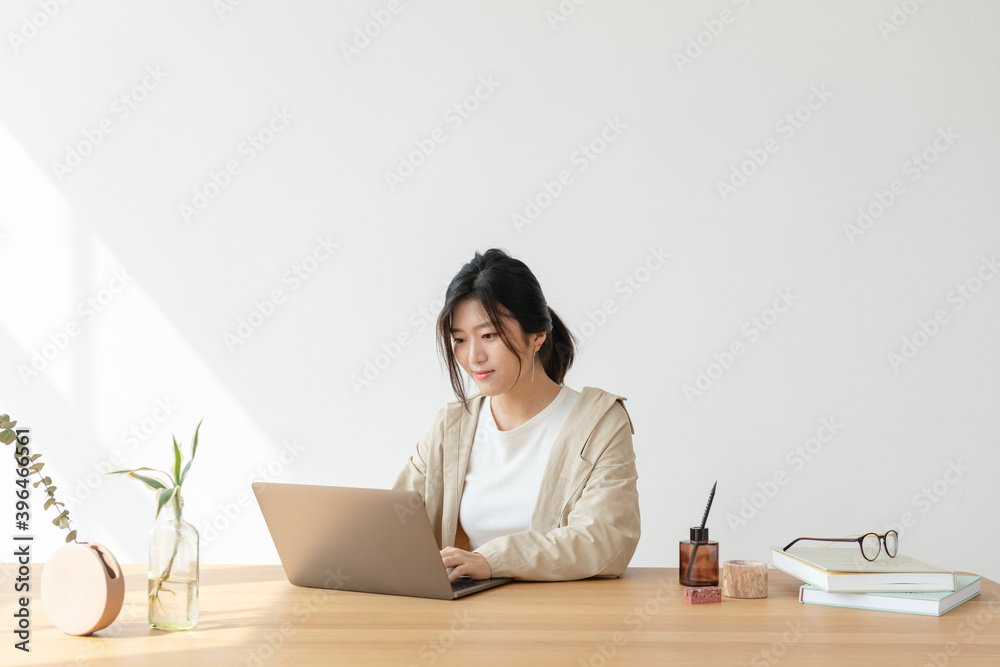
point(598, 529)
point(413, 475)
point(422, 472)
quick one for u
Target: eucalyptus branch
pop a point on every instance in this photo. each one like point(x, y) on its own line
point(8, 436)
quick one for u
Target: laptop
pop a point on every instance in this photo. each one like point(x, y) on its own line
point(366, 540)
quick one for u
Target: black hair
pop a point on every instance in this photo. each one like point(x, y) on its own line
point(506, 288)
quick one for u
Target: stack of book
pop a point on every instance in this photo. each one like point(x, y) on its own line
point(840, 577)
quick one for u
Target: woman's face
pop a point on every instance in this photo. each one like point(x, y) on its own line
point(478, 349)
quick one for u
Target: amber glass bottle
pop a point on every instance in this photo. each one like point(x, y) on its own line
point(699, 560)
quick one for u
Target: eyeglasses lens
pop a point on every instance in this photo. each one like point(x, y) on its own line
point(870, 546)
point(891, 543)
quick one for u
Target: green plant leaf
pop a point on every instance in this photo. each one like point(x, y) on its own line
point(5, 422)
point(71, 536)
point(63, 515)
point(177, 460)
point(36, 467)
point(164, 497)
point(7, 437)
point(4, 418)
point(51, 490)
point(166, 474)
point(46, 480)
point(63, 522)
point(35, 457)
point(194, 450)
point(194, 446)
point(131, 473)
point(149, 481)
point(49, 503)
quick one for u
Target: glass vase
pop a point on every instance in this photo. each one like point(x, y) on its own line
point(173, 570)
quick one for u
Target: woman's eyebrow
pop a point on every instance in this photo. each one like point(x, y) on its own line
point(484, 325)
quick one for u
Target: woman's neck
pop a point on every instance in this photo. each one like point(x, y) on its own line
point(523, 401)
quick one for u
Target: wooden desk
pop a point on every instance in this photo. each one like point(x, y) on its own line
point(251, 616)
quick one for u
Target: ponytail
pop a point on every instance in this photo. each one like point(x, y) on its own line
point(558, 351)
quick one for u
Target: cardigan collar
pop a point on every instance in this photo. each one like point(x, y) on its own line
point(567, 463)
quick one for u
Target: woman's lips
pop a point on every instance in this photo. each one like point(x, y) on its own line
point(482, 375)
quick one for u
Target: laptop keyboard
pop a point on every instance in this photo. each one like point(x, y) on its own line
point(462, 583)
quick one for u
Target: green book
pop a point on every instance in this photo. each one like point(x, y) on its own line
point(925, 604)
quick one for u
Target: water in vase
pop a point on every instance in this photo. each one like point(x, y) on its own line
point(175, 606)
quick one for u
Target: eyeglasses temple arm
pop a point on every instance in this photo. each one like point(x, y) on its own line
point(821, 539)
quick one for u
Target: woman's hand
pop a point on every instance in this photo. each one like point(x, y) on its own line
point(462, 562)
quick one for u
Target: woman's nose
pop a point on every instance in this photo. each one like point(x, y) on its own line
point(477, 351)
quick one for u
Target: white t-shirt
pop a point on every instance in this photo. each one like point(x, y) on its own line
point(506, 469)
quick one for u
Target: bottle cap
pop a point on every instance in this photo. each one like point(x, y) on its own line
point(699, 534)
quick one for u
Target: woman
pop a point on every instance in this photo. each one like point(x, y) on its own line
point(528, 478)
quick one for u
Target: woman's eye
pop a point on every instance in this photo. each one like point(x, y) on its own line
point(488, 336)
point(456, 341)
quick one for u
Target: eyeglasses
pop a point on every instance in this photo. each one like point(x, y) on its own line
point(870, 543)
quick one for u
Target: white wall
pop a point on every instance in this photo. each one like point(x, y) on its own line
point(283, 399)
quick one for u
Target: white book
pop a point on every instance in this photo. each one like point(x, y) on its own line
point(925, 604)
point(844, 570)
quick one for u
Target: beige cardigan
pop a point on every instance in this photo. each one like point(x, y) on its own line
point(586, 518)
